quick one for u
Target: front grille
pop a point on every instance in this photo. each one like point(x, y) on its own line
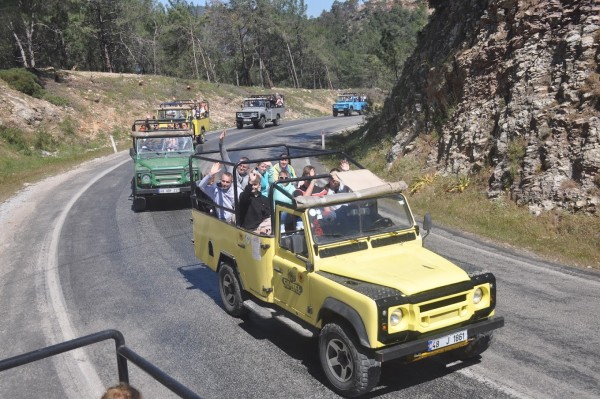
point(167, 177)
point(441, 304)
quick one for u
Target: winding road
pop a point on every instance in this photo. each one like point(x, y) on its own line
point(75, 259)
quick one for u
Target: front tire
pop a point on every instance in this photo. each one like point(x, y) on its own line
point(335, 113)
point(231, 293)
point(261, 122)
point(239, 125)
point(139, 203)
point(475, 348)
point(350, 368)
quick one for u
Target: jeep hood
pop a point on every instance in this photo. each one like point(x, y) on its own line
point(409, 269)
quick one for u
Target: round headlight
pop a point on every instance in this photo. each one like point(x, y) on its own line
point(396, 317)
point(146, 179)
point(187, 175)
point(477, 295)
point(255, 114)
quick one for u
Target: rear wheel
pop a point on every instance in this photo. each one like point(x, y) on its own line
point(350, 368)
point(231, 293)
point(200, 139)
point(277, 121)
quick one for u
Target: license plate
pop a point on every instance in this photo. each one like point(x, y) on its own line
point(247, 119)
point(168, 190)
point(446, 340)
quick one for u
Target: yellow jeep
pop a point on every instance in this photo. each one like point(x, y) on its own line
point(181, 113)
point(349, 267)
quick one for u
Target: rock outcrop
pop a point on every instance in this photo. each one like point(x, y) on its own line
point(511, 88)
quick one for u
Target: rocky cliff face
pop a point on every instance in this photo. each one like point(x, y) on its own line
point(511, 88)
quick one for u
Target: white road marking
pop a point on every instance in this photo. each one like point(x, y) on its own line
point(57, 299)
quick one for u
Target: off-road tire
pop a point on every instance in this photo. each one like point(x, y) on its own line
point(139, 203)
point(335, 113)
point(350, 368)
point(277, 121)
point(230, 290)
point(261, 123)
point(200, 139)
point(475, 348)
point(239, 125)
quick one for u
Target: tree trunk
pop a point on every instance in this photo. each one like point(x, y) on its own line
point(20, 46)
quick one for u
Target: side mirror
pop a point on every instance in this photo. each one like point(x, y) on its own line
point(427, 224)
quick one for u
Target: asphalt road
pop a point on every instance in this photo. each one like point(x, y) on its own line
point(75, 259)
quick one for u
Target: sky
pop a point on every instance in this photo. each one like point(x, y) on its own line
point(314, 8)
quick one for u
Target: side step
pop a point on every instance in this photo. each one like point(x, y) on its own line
point(265, 313)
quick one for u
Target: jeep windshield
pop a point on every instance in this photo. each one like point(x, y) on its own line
point(361, 218)
point(254, 103)
point(151, 147)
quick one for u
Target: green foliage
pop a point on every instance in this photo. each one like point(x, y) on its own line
point(67, 127)
point(515, 156)
point(460, 185)
point(420, 182)
point(44, 141)
point(16, 139)
point(22, 80)
point(56, 100)
point(263, 43)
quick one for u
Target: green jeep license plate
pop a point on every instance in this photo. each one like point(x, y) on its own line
point(168, 190)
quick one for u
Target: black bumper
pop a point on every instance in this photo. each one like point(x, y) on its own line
point(420, 345)
point(156, 191)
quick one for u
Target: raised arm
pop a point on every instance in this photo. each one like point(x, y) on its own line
point(224, 154)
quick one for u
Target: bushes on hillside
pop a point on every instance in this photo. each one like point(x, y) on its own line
point(24, 81)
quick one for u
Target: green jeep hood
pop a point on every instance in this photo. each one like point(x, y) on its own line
point(163, 163)
point(408, 269)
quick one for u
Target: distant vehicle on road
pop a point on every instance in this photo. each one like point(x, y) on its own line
point(348, 103)
point(259, 110)
point(195, 112)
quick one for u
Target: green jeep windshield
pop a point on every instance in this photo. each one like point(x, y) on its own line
point(164, 146)
point(357, 219)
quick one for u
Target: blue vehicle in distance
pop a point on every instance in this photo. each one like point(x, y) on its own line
point(347, 103)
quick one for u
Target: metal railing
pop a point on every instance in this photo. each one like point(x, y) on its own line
point(123, 354)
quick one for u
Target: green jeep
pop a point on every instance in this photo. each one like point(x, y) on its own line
point(161, 161)
point(348, 267)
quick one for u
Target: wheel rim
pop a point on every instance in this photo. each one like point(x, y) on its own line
point(339, 361)
point(228, 290)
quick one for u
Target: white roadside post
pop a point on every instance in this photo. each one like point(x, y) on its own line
point(112, 140)
point(322, 139)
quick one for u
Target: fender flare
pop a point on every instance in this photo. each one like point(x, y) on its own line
point(224, 257)
point(346, 312)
